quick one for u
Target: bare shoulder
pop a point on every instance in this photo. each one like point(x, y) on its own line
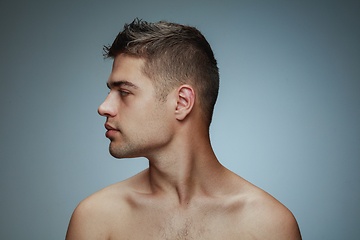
point(267, 218)
point(92, 217)
point(96, 215)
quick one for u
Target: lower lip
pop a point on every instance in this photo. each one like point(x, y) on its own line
point(111, 133)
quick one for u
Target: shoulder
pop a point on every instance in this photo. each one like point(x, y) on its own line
point(92, 217)
point(268, 217)
point(96, 215)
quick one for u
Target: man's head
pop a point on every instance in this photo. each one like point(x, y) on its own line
point(174, 55)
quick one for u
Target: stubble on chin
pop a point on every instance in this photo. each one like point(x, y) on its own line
point(123, 150)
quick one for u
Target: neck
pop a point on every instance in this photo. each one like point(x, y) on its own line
point(185, 168)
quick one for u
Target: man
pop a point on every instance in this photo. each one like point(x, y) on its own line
point(163, 87)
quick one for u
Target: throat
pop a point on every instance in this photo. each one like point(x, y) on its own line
point(179, 189)
point(184, 194)
point(183, 176)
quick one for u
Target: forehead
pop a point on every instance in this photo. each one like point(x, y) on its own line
point(128, 68)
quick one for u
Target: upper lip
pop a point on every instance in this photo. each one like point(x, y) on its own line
point(109, 127)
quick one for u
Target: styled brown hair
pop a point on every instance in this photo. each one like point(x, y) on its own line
point(175, 54)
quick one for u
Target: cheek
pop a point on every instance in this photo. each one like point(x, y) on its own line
point(164, 123)
point(142, 120)
point(158, 122)
point(153, 119)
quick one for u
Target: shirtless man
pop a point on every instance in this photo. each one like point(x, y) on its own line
point(163, 87)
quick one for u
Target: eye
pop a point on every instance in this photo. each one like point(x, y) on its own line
point(123, 93)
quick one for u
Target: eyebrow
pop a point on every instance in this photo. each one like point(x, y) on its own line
point(121, 83)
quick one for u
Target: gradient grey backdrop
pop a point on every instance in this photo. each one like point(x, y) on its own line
point(287, 118)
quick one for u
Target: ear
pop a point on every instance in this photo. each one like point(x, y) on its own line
point(185, 101)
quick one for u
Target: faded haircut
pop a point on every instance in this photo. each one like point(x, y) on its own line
point(175, 54)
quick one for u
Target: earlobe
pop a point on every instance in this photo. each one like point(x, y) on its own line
point(185, 101)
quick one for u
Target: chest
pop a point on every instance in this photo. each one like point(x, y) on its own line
point(173, 225)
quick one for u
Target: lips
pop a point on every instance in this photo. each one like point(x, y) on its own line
point(111, 131)
point(109, 127)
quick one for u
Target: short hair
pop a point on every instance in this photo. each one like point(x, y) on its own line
point(175, 54)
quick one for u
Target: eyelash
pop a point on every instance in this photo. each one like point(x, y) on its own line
point(123, 93)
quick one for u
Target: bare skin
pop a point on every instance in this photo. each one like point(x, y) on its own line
point(185, 193)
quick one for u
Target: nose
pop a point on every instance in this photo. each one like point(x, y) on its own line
point(108, 108)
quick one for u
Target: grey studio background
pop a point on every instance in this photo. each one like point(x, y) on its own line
point(287, 118)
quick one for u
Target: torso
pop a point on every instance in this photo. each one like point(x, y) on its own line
point(160, 221)
point(135, 215)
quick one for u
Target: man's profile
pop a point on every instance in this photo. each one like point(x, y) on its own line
point(163, 88)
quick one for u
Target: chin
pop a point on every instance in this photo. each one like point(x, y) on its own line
point(122, 153)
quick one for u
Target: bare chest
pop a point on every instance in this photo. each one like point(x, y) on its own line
point(187, 230)
point(162, 225)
